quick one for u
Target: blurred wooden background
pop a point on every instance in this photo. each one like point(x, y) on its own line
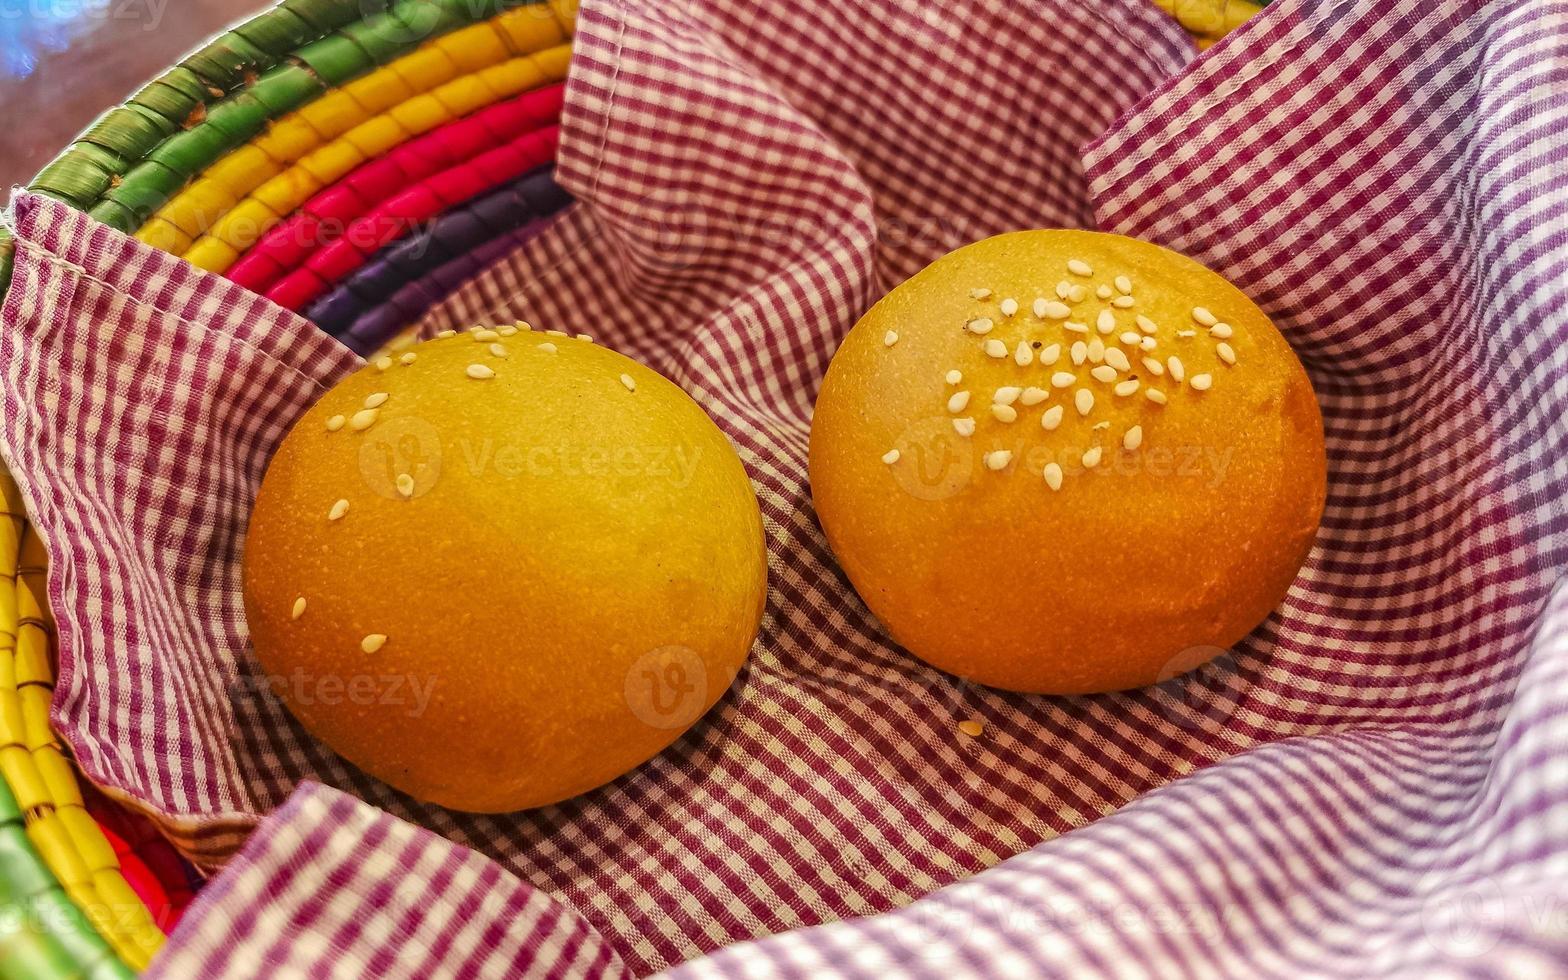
point(63, 62)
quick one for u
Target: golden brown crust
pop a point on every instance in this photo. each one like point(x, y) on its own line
point(1135, 570)
point(578, 574)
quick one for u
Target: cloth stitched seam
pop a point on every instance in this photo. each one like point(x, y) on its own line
point(37, 251)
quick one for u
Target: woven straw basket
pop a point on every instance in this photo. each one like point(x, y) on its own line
point(388, 121)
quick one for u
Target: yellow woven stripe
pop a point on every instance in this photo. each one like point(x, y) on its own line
point(337, 132)
point(1209, 20)
point(36, 768)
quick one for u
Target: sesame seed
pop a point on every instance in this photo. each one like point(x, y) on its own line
point(547, 347)
point(890, 457)
point(954, 377)
point(506, 331)
point(496, 350)
point(486, 336)
point(1083, 400)
point(1064, 289)
point(1062, 379)
point(1123, 285)
point(1132, 438)
point(1102, 291)
point(1080, 353)
point(1106, 322)
point(996, 348)
point(1154, 395)
point(407, 359)
point(1204, 317)
point(1221, 331)
point(1004, 413)
point(1146, 325)
point(479, 372)
point(585, 338)
point(1117, 358)
point(299, 608)
point(335, 423)
point(373, 642)
point(1077, 294)
point(556, 333)
point(971, 728)
point(1078, 267)
point(376, 400)
point(363, 419)
point(1053, 476)
point(383, 362)
point(1057, 310)
point(1126, 388)
point(1023, 354)
point(1096, 350)
point(405, 484)
point(1099, 426)
point(1008, 306)
point(889, 339)
point(958, 402)
point(1033, 396)
point(1051, 418)
point(1225, 353)
point(1202, 382)
point(628, 383)
point(1130, 338)
point(1075, 327)
point(1051, 355)
point(979, 326)
point(1173, 364)
point(997, 460)
point(1153, 366)
point(964, 427)
point(981, 294)
point(1039, 307)
point(443, 334)
point(1123, 302)
point(1091, 457)
point(338, 510)
point(1104, 374)
point(524, 326)
point(1148, 343)
point(1006, 395)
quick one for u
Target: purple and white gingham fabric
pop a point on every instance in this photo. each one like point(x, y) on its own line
point(1370, 784)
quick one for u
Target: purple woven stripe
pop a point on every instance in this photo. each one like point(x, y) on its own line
point(379, 324)
point(535, 195)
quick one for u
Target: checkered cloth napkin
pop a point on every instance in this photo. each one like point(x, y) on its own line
point(1370, 784)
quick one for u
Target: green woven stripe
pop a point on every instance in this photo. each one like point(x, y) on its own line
point(328, 15)
point(282, 31)
point(70, 927)
point(127, 130)
point(335, 59)
point(285, 88)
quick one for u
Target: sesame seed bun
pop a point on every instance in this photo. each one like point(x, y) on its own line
point(530, 565)
point(1132, 541)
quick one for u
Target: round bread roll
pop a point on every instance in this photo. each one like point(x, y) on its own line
point(1067, 462)
point(503, 568)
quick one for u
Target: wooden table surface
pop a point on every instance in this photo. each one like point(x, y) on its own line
point(63, 62)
